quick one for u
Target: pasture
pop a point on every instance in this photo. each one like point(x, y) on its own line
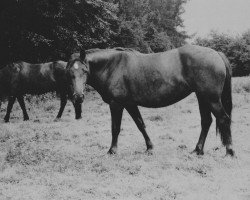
point(67, 159)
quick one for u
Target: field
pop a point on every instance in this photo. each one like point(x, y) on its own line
point(43, 159)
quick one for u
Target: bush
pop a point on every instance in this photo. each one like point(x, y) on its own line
point(237, 49)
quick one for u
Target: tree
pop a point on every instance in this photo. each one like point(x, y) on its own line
point(42, 30)
point(45, 30)
point(151, 24)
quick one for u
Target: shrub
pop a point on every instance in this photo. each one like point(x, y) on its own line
point(237, 49)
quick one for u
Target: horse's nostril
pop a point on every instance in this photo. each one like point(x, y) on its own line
point(80, 100)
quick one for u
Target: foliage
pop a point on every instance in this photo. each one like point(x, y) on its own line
point(237, 49)
point(41, 30)
point(45, 30)
point(151, 25)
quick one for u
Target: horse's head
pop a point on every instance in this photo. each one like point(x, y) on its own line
point(77, 73)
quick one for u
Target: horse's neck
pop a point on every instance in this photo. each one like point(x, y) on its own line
point(94, 78)
point(96, 71)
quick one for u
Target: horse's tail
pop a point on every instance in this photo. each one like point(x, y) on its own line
point(226, 97)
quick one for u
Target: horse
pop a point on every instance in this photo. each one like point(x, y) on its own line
point(126, 79)
point(20, 78)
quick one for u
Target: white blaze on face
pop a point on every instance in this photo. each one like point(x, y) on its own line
point(76, 66)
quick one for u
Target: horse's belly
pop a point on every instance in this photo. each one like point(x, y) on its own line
point(162, 96)
point(162, 101)
point(39, 87)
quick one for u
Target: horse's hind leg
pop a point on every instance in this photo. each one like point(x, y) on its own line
point(62, 106)
point(11, 101)
point(116, 116)
point(22, 104)
point(206, 120)
point(136, 115)
point(223, 123)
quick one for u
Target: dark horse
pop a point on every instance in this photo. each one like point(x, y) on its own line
point(17, 79)
point(128, 79)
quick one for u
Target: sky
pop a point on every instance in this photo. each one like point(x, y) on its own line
point(225, 16)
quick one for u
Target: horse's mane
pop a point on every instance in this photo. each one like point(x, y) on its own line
point(125, 49)
point(96, 50)
point(93, 50)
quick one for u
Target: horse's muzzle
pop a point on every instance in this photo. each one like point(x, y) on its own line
point(78, 98)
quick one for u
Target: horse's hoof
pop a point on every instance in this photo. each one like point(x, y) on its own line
point(230, 152)
point(26, 119)
point(56, 119)
point(79, 117)
point(112, 152)
point(6, 120)
point(149, 151)
point(150, 146)
point(198, 152)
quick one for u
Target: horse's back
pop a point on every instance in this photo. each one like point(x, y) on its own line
point(38, 78)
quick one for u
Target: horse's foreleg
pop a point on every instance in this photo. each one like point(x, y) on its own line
point(22, 104)
point(62, 106)
point(116, 117)
point(206, 120)
point(136, 115)
point(11, 101)
point(78, 110)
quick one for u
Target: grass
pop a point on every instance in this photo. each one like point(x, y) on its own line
point(67, 159)
point(241, 85)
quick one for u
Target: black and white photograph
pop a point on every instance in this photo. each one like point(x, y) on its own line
point(124, 99)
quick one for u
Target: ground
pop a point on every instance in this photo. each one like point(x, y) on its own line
point(43, 159)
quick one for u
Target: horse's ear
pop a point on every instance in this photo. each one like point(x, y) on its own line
point(68, 55)
point(82, 54)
